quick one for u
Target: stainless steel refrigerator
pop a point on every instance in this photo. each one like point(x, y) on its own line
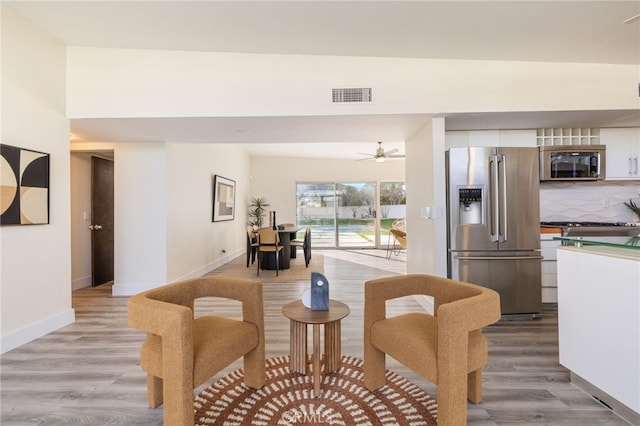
point(494, 223)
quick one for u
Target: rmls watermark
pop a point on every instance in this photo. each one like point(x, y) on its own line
point(296, 416)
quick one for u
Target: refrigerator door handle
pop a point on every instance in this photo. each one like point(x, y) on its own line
point(498, 257)
point(502, 215)
point(494, 201)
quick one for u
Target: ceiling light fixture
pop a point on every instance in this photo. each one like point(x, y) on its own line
point(380, 159)
point(633, 18)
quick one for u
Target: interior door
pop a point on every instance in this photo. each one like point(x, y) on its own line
point(102, 221)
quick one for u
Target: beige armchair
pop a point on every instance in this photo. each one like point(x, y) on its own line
point(447, 348)
point(180, 352)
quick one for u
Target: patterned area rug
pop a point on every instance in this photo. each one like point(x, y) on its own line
point(286, 399)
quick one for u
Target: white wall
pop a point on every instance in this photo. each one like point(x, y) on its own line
point(117, 83)
point(140, 217)
point(426, 238)
point(194, 242)
point(35, 296)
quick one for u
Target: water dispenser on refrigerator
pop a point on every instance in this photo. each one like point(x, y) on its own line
point(471, 205)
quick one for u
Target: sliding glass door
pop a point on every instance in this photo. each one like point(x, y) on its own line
point(356, 214)
point(393, 200)
point(350, 214)
point(316, 208)
point(346, 214)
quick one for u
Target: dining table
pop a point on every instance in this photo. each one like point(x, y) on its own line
point(286, 234)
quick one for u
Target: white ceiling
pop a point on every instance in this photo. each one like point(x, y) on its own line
point(566, 31)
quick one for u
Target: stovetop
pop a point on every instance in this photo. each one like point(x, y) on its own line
point(590, 224)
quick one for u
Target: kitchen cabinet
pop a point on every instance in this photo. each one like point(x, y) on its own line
point(568, 136)
point(599, 324)
point(490, 138)
point(623, 153)
point(548, 248)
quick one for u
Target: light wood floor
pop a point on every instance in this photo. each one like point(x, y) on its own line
point(88, 373)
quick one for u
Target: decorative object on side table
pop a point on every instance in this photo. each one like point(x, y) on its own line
point(317, 297)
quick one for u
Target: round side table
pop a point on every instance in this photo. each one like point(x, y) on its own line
point(299, 317)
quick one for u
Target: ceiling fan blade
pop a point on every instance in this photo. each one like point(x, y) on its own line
point(391, 151)
point(396, 156)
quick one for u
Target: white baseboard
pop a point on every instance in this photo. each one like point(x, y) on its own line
point(31, 332)
point(132, 289)
point(79, 283)
point(210, 266)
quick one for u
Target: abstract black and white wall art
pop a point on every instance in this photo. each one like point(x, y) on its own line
point(24, 186)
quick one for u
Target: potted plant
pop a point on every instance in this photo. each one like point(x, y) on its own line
point(633, 207)
point(257, 209)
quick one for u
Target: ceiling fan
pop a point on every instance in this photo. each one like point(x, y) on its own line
point(381, 155)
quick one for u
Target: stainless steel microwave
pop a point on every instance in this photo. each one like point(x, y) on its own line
point(572, 162)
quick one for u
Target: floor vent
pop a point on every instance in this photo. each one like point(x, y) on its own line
point(352, 95)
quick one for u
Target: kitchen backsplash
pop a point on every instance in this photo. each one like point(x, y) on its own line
point(588, 201)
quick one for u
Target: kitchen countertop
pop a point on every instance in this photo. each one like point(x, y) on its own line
point(627, 247)
point(550, 230)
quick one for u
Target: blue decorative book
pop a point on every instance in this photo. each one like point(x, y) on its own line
point(319, 292)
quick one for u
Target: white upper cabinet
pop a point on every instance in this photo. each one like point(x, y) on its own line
point(488, 138)
point(623, 152)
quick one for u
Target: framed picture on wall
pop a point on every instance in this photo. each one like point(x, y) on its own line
point(24, 175)
point(224, 198)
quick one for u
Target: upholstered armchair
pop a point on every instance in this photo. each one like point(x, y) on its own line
point(447, 348)
point(182, 352)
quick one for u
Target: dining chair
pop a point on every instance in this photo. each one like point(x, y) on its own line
point(269, 242)
point(252, 245)
point(305, 243)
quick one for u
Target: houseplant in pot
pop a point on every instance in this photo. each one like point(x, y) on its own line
point(257, 209)
point(634, 207)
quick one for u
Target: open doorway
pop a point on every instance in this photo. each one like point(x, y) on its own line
point(83, 220)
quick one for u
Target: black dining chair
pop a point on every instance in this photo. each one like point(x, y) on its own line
point(252, 245)
point(305, 244)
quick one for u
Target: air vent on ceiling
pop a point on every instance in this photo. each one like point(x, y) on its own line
point(352, 95)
